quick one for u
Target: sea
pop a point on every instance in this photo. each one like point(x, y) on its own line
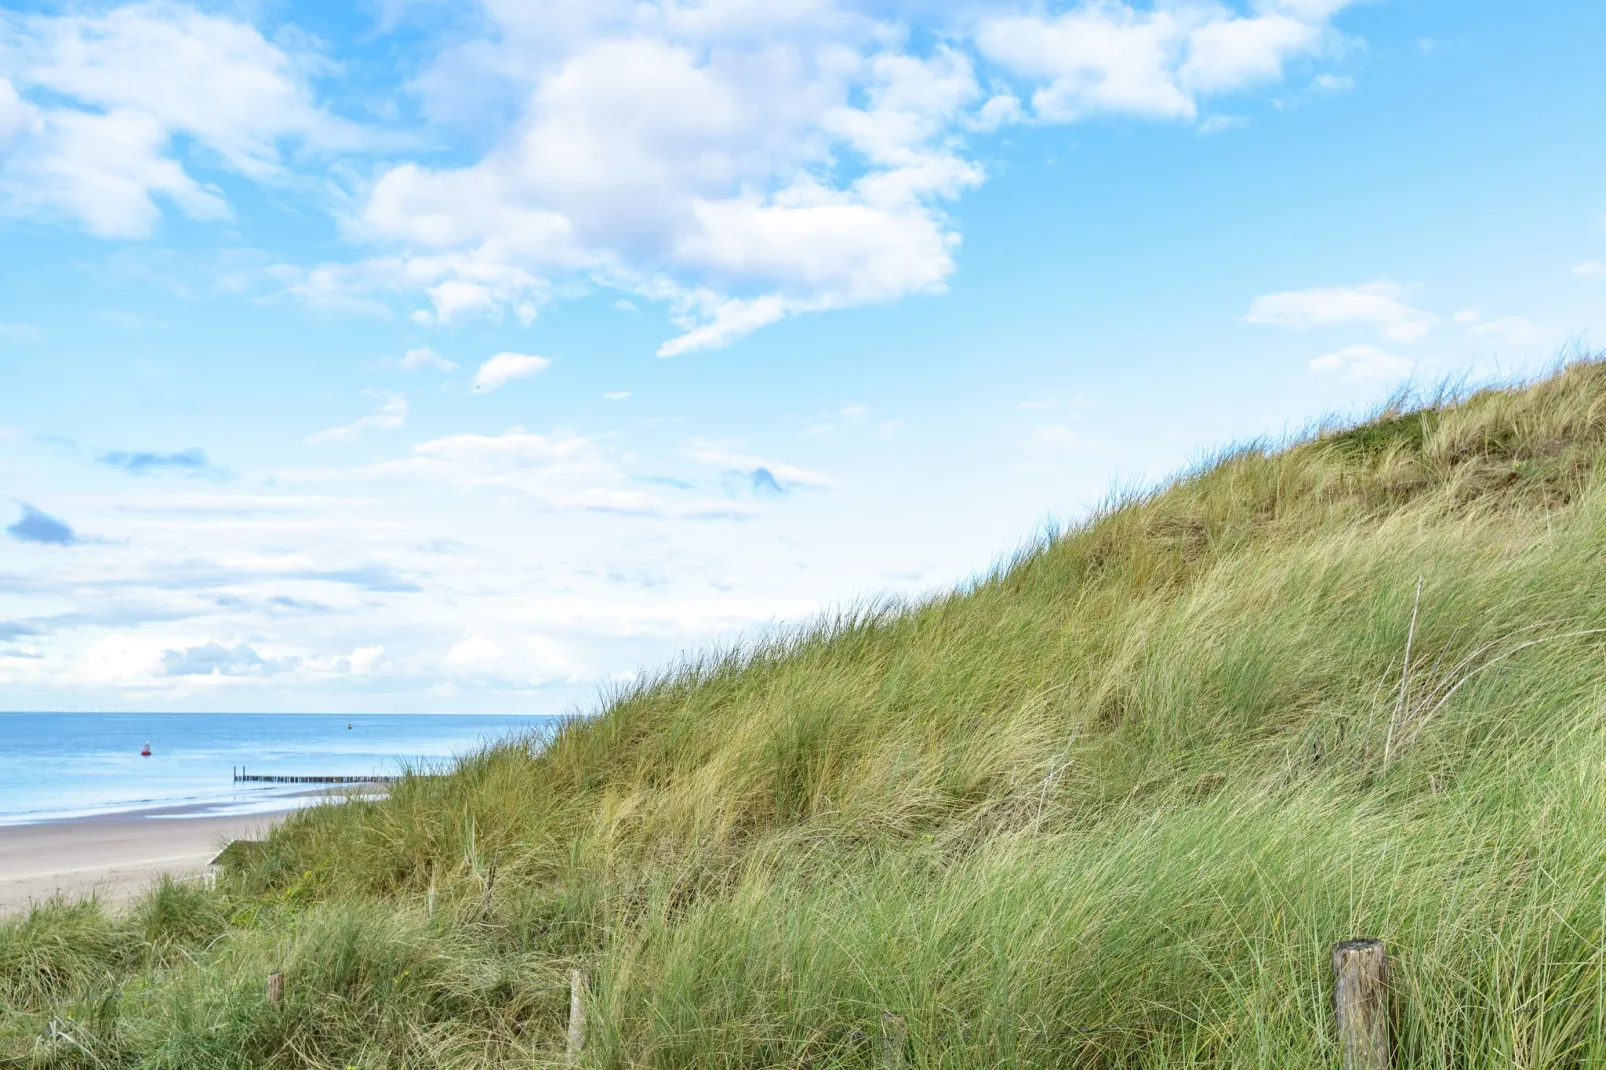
point(55, 766)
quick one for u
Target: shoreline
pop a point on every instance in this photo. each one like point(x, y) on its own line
point(117, 856)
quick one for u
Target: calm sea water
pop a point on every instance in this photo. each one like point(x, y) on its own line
point(57, 765)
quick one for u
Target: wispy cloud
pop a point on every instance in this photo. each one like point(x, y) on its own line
point(1377, 305)
point(563, 470)
point(416, 359)
point(392, 414)
point(1590, 267)
point(761, 472)
point(190, 462)
point(100, 99)
point(379, 578)
point(506, 367)
point(1362, 362)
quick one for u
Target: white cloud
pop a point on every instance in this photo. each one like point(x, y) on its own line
point(1362, 362)
point(475, 650)
point(1590, 267)
point(1467, 315)
point(525, 660)
point(1220, 124)
point(691, 160)
point(1378, 305)
point(616, 395)
point(1107, 57)
point(786, 475)
point(120, 660)
point(740, 163)
point(564, 471)
point(552, 467)
point(112, 92)
point(414, 359)
point(15, 114)
point(1002, 109)
point(363, 660)
point(392, 414)
point(506, 367)
point(853, 410)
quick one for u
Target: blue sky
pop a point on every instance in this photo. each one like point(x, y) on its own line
point(440, 357)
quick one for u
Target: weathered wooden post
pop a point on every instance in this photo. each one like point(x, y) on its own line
point(276, 989)
point(1361, 1003)
point(894, 1039)
point(577, 1016)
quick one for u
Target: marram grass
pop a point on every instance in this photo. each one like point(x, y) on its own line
point(1108, 807)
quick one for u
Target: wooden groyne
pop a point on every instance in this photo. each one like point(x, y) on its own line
point(257, 778)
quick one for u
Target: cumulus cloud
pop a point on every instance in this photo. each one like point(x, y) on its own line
point(97, 104)
point(737, 163)
point(1378, 305)
point(363, 660)
point(415, 359)
point(40, 527)
point(190, 462)
point(525, 660)
point(692, 161)
point(215, 659)
point(392, 414)
point(1362, 362)
point(506, 367)
point(1108, 57)
point(743, 164)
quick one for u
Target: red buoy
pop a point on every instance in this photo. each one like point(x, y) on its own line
point(146, 751)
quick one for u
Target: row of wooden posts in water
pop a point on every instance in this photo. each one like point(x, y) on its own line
point(257, 778)
point(1360, 1004)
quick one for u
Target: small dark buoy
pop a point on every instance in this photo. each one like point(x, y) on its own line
point(146, 750)
point(348, 726)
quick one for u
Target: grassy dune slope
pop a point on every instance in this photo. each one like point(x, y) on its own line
point(1109, 807)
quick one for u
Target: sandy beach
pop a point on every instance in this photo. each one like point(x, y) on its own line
point(116, 856)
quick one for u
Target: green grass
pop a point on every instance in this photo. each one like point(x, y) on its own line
point(1107, 807)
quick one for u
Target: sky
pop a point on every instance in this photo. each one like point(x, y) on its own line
point(407, 356)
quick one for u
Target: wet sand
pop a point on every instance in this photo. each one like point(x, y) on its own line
point(116, 856)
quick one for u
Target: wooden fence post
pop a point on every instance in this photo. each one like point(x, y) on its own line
point(276, 989)
point(1361, 1003)
point(577, 1016)
point(894, 1039)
